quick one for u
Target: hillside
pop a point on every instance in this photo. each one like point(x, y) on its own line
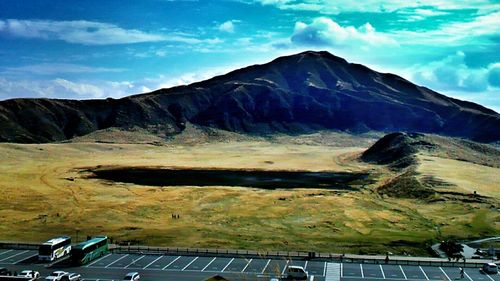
point(305, 92)
point(436, 168)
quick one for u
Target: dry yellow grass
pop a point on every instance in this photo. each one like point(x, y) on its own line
point(43, 193)
point(465, 176)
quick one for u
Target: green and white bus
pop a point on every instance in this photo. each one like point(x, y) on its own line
point(89, 250)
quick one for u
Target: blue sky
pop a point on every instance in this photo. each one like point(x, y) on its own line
point(98, 49)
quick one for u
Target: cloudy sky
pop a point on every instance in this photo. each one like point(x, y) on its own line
point(111, 48)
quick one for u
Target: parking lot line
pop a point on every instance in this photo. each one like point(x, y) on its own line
point(402, 271)
point(284, 267)
point(171, 263)
point(268, 261)
point(382, 270)
point(26, 258)
point(152, 262)
point(24, 252)
point(190, 263)
point(98, 260)
point(423, 273)
point(487, 275)
point(248, 263)
point(467, 275)
point(116, 261)
point(227, 265)
point(362, 273)
point(341, 269)
point(134, 261)
point(3, 253)
point(324, 269)
point(208, 264)
point(447, 277)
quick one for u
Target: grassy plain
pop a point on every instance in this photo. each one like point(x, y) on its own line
point(43, 192)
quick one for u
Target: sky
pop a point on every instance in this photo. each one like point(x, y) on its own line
point(114, 48)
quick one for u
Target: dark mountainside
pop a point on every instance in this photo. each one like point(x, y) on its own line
point(294, 94)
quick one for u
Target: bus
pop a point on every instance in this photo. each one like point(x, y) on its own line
point(89, 250)
point(54, 248)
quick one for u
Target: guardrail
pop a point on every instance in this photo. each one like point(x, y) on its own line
point(395, 260)
point(19, 246)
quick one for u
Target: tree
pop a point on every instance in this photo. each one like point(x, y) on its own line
point(451, 248)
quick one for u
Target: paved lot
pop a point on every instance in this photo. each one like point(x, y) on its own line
point(366, 272)
point(160, 267)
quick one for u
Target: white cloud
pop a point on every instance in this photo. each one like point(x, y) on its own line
point(454, 33)
point(227, 26)
point(66, 89)
point(56, 68)
point(336, 7)
point(86, 32)
point(326, 32)
point(453, 74)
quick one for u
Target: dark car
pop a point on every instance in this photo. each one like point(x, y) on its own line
point(4, 271)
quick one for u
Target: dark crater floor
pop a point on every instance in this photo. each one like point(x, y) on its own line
point(231, 177)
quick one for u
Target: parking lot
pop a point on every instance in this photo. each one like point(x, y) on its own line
point(170, 267)
point(205, 264)
point(352, 271)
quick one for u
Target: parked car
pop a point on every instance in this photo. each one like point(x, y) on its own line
point(30, 273)
point(490, 268)
point(296, 273)
point(71, 277)
point(132, 276)
point(56, 276)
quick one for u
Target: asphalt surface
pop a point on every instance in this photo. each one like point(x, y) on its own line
point(191, 268)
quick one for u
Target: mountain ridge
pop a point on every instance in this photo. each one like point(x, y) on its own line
point(305, 92)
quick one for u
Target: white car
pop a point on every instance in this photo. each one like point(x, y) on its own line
point(71, 277)
point(132, 276)
point(30, 274)
point(56, 276)
point(490, 268)
point(296, 273)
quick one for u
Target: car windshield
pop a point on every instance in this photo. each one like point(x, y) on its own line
point(128, 277)
point(54, 274)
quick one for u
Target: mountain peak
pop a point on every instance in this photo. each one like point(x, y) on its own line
point(299, 93)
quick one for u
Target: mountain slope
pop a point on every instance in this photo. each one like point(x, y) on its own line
point(293, 94)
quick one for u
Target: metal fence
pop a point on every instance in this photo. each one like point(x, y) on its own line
point(19, 246)
point(365, 259)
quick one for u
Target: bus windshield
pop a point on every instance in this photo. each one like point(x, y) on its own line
point(45, 250)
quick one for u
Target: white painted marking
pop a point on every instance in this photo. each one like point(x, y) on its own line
point(116, 261)
point(286, 265)
point(98, 260)
point(487, 275)
point(342, 270)
point(305, 265)
point(227, 265)
point(8, 251)
point(208, 264)
point(424, 273)
point(268, 261)
point(247, 265)
point(171, 263)
point(402, 271)
point(382, 270)
point(324, 269)
point(190, 263)
point(446, 274)
point(152, 262)
point(26, 258)
point(362, 273)
point(134, 261)
point(467, 275)
point(15, 255)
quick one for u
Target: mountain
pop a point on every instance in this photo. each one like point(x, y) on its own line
point(293, 94)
